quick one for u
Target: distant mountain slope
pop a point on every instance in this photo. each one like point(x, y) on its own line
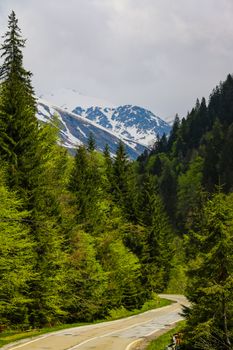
point(75, 130)
point(80, 115)
point(131, 122)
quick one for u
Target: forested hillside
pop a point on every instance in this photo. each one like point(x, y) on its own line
point(193, 170)
point(82, 236)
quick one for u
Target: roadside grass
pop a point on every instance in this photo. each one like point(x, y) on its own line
point(155, 303)
point(10, 336)
point(162, 341)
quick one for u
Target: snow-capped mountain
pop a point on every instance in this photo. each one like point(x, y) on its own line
point(127, 122)
point(80, 115)
point(75, 130)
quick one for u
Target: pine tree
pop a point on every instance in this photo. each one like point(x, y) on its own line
point(86, 281)
point(121, 165)
point(18, 123)
point(210, 273)
point(211, 148)
point(91, 144)
point(123, 270)
point(159, 235)
point(27, 151)
point(108, 165)
point(108, 159)
point(123, 182)
point(189, 193)
point(168, 185)
point(174, 132)
point(48, 288)
point(85, 183)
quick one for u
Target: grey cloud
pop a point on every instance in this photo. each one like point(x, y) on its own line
point(161, 54)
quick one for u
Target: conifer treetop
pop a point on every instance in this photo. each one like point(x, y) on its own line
point(12, 71)
point(12, 48)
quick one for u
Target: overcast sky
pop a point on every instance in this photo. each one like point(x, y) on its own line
point(160, 54)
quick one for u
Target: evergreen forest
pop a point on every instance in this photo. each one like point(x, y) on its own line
point(83, 236)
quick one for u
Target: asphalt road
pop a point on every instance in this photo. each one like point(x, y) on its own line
point(124, 334)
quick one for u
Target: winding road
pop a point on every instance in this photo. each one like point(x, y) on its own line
point(123, 334)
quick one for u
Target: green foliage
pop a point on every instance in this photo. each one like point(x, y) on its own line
point(210, 272)
point(123, 271)
point(156, 254)
point(49, 181)
point(86, 282)
point(16, 260)
point(120, 175)
point(204, 133)
point(186, 170)
point(33, 165)
point(190, 192)
point(85, 183)
point(211, 149)
point(154, 303)
point(177, 277)
point(122, 181)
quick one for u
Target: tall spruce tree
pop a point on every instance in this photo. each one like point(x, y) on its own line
point(108, 169)
point(123, 182)
point(85, 183)
point(189, 193)
point(157, 260)
point(48, 288)
point(31, 159)
point(18, 123)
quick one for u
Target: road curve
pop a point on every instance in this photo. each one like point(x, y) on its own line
point(123, 334)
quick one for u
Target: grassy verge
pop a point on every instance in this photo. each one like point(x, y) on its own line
point(162, 341)
point(155, 303)
point(11, 336)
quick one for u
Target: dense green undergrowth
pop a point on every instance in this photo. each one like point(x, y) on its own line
point(11, 336)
